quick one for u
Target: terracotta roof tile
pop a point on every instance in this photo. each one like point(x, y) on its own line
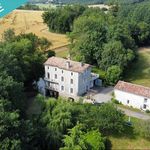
point(62, 63)
point(133, 88)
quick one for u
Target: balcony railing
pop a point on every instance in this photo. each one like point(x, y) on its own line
point(51, 88)
point(51, 80)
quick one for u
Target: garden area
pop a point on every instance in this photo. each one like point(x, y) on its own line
point(135, 136)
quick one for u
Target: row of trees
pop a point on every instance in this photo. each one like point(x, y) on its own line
point(29, 6)
point(61, 19)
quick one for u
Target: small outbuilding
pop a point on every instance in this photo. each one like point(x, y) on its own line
point(133, 95)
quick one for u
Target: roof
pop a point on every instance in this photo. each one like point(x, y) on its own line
point(133, 88)
point(62, 63)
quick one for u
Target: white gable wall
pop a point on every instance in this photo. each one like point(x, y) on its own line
point(135, 101)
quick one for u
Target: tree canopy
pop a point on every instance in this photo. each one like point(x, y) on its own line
point(60, 20)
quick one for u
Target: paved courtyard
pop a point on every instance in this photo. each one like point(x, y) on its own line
point(101, 94)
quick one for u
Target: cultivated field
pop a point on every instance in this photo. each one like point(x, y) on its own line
point(25, 21)
point(139, 72)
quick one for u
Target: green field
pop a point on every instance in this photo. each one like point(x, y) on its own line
point(139, 72)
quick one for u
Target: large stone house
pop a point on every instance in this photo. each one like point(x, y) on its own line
point(133, 95)
point(68, 78)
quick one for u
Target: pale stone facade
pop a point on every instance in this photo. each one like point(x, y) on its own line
point(68, 78)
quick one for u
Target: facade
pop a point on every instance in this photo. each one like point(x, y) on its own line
point(133, 95)
point(68, 78)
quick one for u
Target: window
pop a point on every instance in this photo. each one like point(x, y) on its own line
point(55, 69)
point(48, 76)
point(71, 90)
point(145, 100)
point(55, 76)
point(47, 67)
point(128, 101)
point(62, 71)
point(62, 88)
point(72, 73)
point(62, 78)
point(71, 81)
point(144, 106)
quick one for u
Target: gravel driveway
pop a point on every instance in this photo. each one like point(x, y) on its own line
point(102, 94)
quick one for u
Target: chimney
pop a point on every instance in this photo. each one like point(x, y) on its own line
point(68, 64)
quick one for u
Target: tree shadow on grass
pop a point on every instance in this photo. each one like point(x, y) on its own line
point(108, 145)
point(128, 132)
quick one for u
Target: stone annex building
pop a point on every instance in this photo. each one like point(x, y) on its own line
point(133, 95)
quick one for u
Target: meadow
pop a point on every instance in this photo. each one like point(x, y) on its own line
point(25, 21)
point(131, 139)
point(139, 71)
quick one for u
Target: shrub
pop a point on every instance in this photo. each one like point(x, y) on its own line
point(113, 74)
point(114, 101)
point(147, 111)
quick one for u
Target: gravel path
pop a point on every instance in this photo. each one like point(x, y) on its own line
point(139, 115)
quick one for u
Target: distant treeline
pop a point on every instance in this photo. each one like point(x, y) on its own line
point(89, 1)
point(29, 6)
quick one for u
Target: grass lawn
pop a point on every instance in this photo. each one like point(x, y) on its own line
point(130, 140)
point(62, 54)
point(129, 107)
point(129, 143)
point(139, 73)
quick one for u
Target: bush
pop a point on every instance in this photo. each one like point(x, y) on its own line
point(147, 111)
point(114, 101)
point(113, 74)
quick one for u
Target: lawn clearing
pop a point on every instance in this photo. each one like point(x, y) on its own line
point(139, 72)
point(130, 140)
point(62, 54)
point(26, 21)
point(126, 143)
